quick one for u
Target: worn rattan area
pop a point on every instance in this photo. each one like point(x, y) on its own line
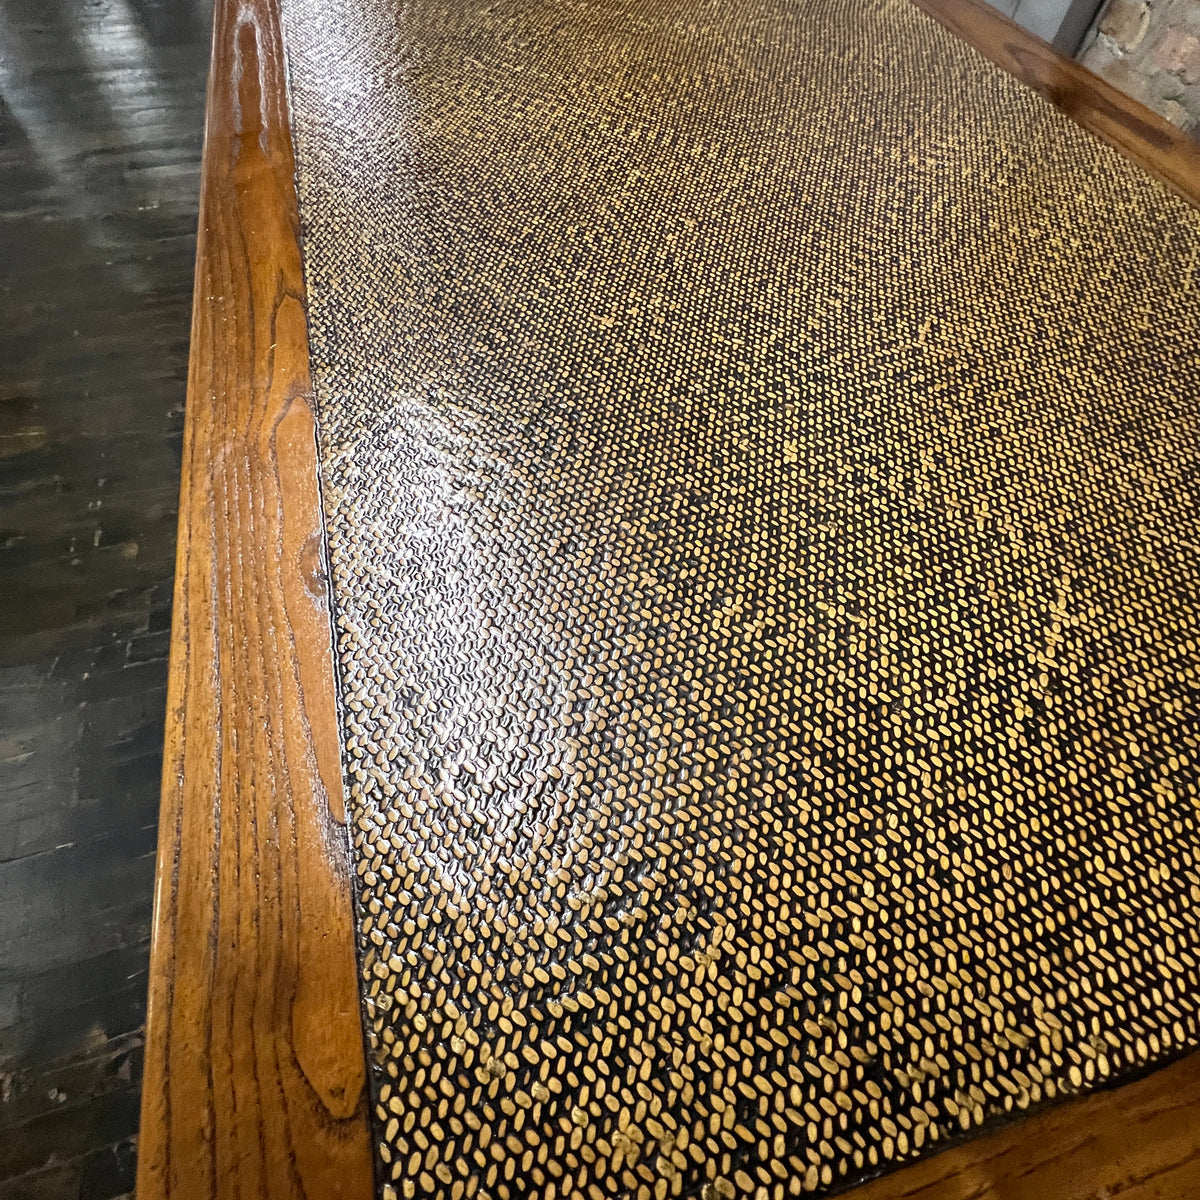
point(759, 446)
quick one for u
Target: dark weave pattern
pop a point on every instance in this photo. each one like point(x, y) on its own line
point(760, 461)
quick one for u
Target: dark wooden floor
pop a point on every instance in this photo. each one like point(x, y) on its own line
point(101, 104)
point(101, 108)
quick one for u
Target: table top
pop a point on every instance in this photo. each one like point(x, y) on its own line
point(254, 933)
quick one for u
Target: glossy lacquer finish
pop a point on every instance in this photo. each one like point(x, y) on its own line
point(253, 1044)
point(763, 619)
point(101, 120)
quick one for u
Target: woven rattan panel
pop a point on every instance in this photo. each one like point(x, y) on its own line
point(760, 452)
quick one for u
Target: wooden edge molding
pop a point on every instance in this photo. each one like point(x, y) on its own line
point(1136, 1142)
point(1169, 154)
point(255, 1069)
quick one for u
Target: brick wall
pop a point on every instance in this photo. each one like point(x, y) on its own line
point(1150, 49)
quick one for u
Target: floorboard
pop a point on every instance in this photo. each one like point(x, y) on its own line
point(101, 116)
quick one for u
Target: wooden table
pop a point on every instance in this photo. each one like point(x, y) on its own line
point(255, 1075)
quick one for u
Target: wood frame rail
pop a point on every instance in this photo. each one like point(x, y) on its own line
point(255, 1067)
point(254, 1076)
point(1167, 153)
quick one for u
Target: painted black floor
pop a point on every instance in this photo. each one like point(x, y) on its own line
point(101, 113)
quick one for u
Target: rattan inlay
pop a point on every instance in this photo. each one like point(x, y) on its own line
point(759, 447)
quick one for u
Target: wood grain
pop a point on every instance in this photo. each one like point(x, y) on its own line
point(1138, 1142)
point(254, 1079)
point(1169, 154)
